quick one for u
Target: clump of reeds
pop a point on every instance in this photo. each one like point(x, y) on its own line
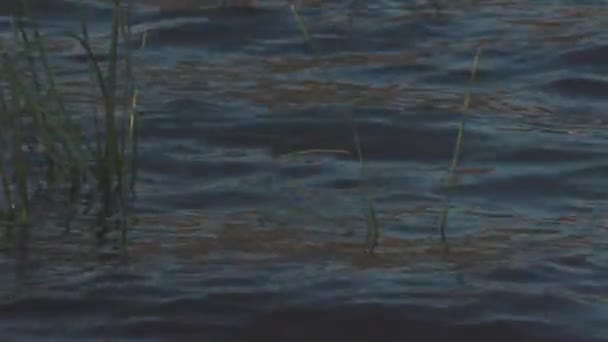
point(33, 108)
point(451, 180)
point(371, 220)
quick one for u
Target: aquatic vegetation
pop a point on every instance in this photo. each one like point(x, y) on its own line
point(373, 227)
point(44, 147)
point(458, 147)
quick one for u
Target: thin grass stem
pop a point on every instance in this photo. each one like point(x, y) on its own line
point(458, 147)
point(373, 232)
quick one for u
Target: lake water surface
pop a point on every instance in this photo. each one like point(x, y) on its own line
point(236, 241)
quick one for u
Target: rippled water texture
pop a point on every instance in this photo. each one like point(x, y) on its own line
point(238, 241)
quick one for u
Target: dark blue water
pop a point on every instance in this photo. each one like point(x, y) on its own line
point(235, 241)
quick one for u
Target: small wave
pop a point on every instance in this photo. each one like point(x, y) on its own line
point(591, 56)
point(544, 155)
point(379, 141)
point(378, 323)
point(38, 7)
point(225, 29)
point(580, 87)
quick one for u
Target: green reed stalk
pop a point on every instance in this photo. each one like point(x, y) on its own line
point(6, 190)
point(35, 98)
point(30, 58)
point(65, 130)
point(95, 75)
point(32, 101)
point(458, 147)
point(134, 131)
point(3, 173)
point(373, 227)
point(112, 157)
point(130, 134)
point(132, 94)
point(14, 126)
point(109, 161)
point(55, 124)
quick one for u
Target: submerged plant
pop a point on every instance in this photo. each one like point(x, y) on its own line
point(451, 180)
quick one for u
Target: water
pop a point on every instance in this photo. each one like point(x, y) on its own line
point(237, 242)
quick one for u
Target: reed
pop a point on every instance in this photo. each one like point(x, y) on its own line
point(371, 218)
point(33, 107)
point(458, 147)
point(116, 146)
point(12, 123)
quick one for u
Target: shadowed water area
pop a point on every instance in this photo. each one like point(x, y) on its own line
point(236, 239)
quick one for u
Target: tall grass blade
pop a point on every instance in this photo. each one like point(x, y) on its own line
point(304, 31)
point(96, 77)
point(32, 107)
point(134, 131)
point(103, 178)
point(111, 158)
point(458, 147)
point(4, 177)
point(57, 126)
point(17, 89)
point(373, 227)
